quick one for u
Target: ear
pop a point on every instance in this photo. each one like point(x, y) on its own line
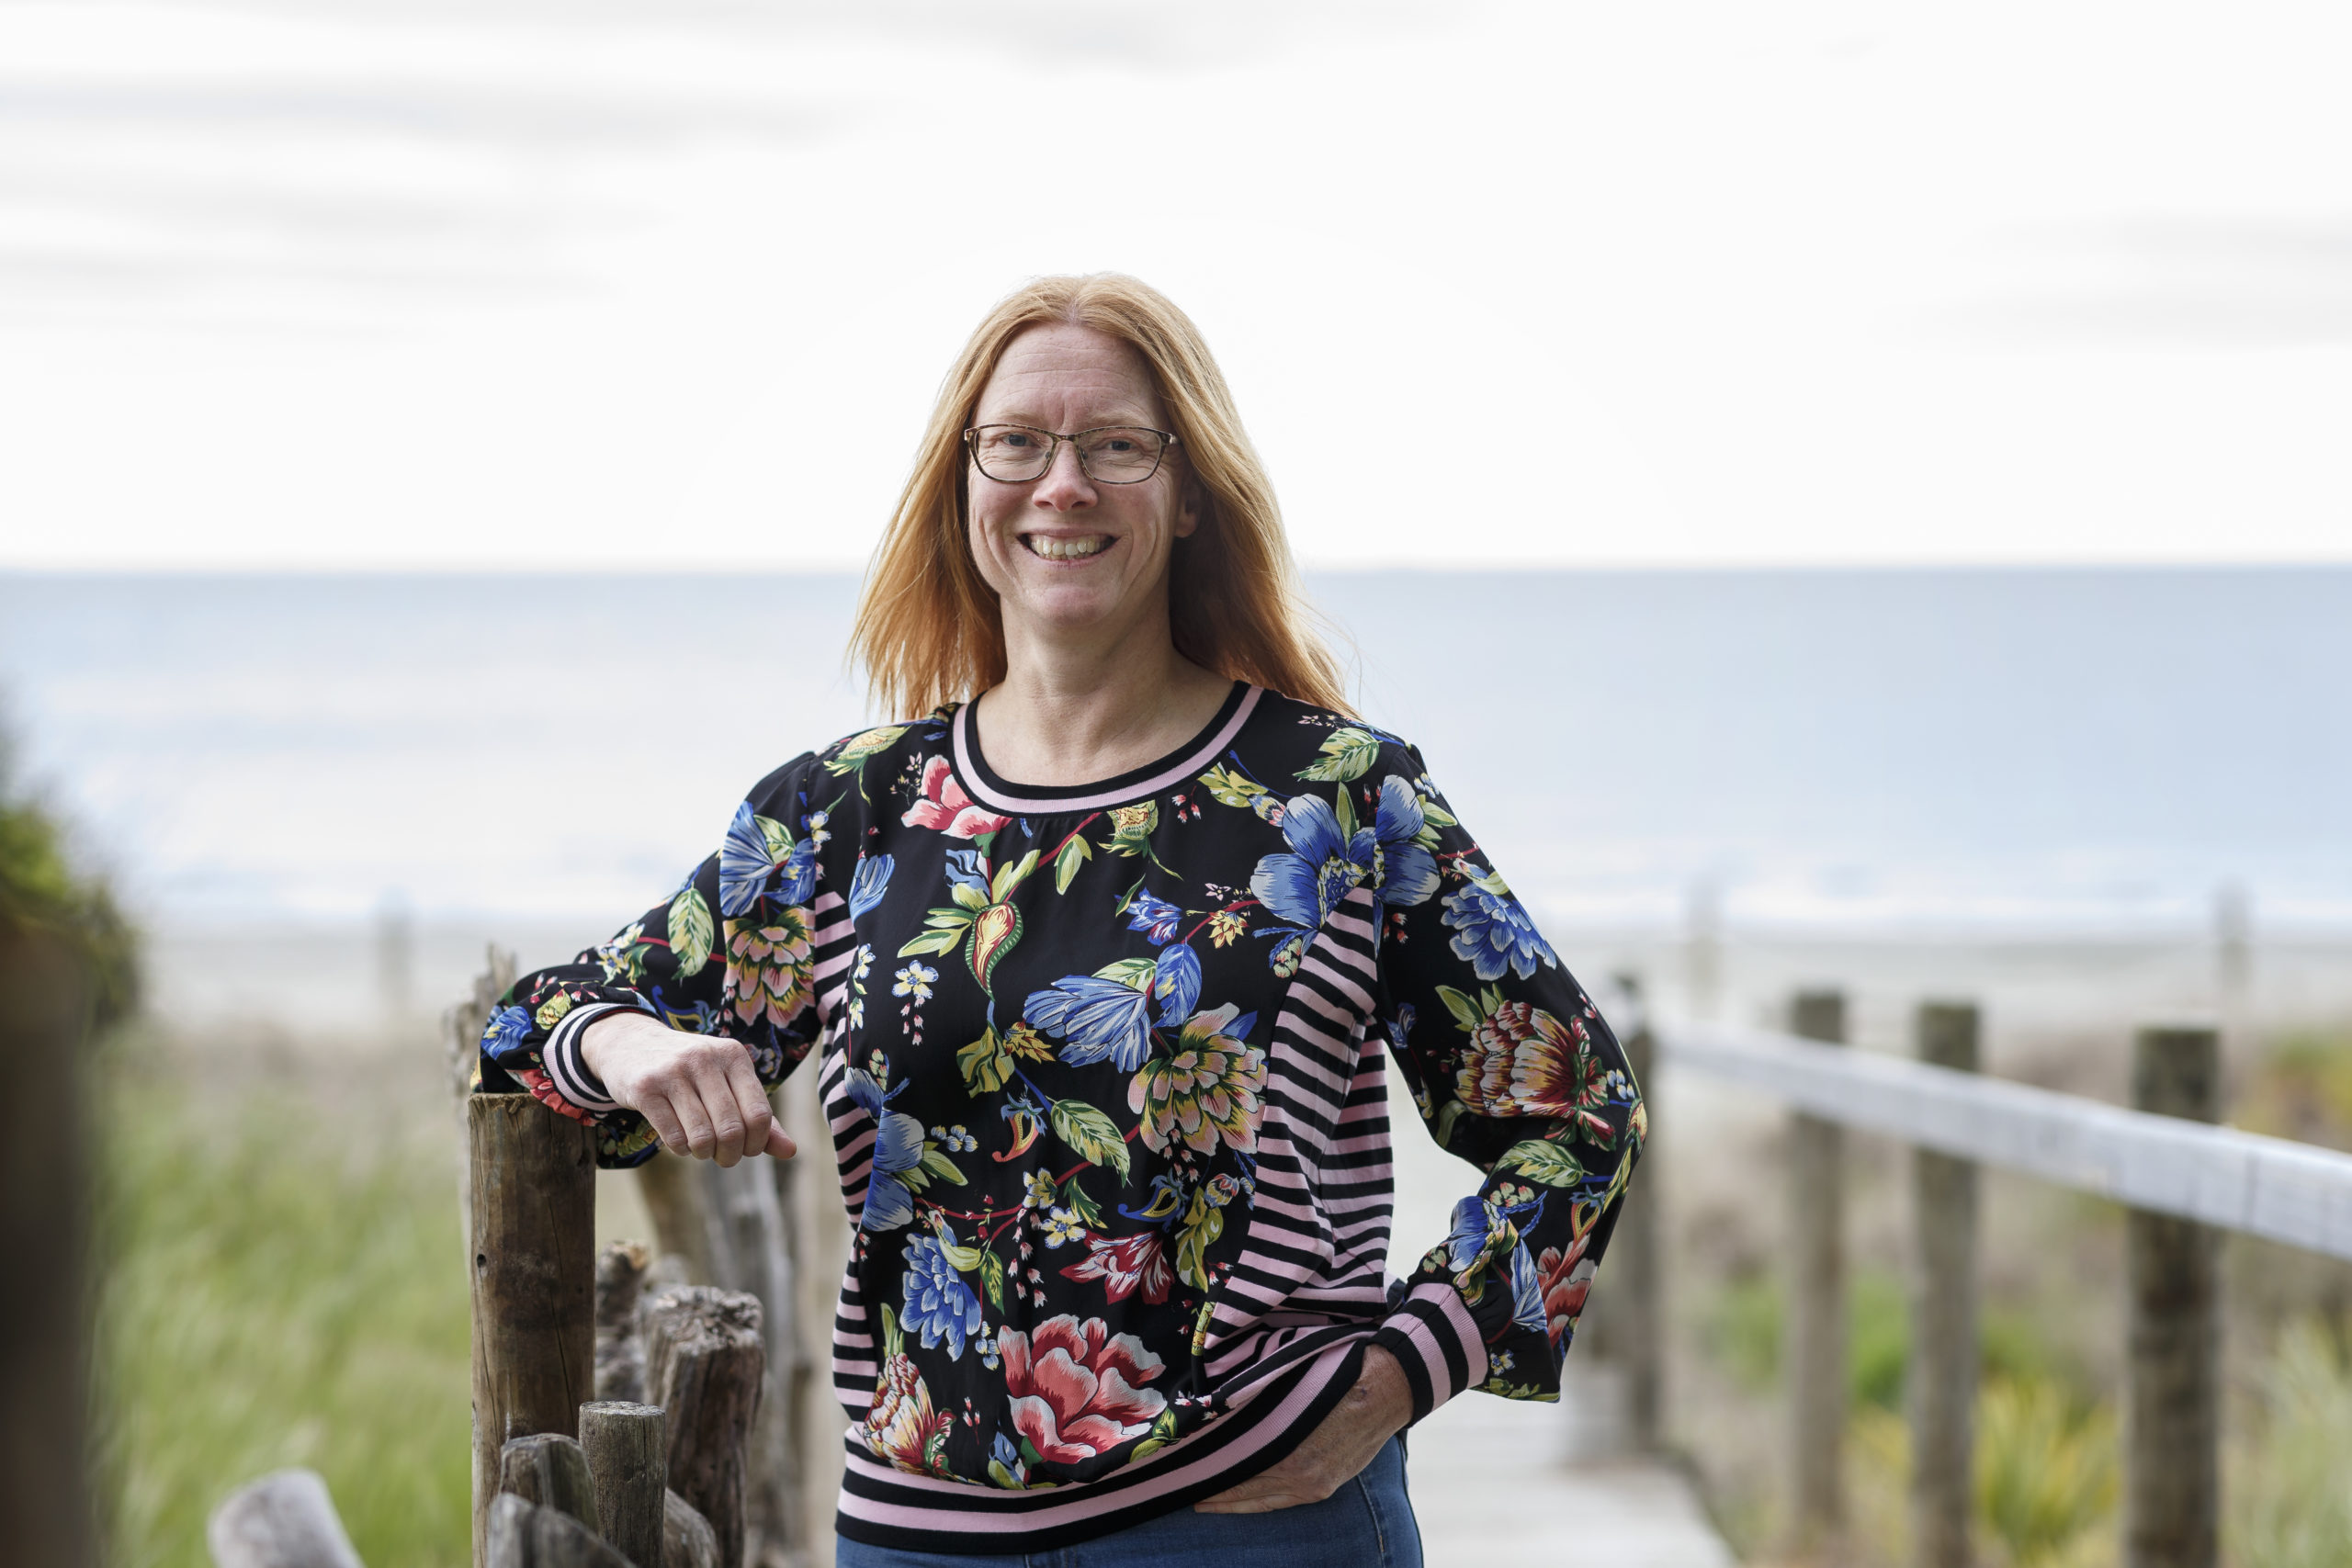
point(1191, 503)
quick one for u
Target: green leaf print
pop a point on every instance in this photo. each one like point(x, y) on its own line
point(986, 1064)
point(1465, 1011)
point(940, 1166)
point(776, 836)
point(1085, 1207)
point(853, 756)
point(1230, 789)
point(691, 931)
point(1547, 1163)
point(992, 1279)
point(1133, 973)
point(1201, 1228)
point(1093, 1136)
point(1011, 877)
point(932, 941)
point(1344, 755)
point(1075, 853)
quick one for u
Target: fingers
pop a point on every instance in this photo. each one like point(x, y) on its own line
point(699, 1093)
point(665, 1125)
point(1257, 1497)
point(755, 1117)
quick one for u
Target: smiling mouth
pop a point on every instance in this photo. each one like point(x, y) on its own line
point(1078, 549)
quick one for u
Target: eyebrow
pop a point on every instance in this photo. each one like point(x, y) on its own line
point(1036, 422)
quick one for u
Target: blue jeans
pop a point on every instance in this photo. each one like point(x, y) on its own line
point(1368, 1523)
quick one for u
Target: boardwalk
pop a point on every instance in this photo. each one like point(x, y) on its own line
point(1494, 1487)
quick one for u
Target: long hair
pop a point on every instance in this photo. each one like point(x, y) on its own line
point(929, 628)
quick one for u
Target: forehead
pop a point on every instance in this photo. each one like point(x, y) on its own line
point(1061, 371)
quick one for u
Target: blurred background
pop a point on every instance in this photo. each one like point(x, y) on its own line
point(1880, 466)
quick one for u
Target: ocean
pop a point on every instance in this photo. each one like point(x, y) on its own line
point(274, 766)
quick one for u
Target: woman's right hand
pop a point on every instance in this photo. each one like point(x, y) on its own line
point(697, 1090)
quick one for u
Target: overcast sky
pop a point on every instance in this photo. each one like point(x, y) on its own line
point(670, 284)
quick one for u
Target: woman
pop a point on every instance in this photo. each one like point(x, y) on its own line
point(1102, 970)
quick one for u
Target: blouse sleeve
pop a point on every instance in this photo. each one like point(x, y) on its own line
point(1513, 1069)
point(730, 953)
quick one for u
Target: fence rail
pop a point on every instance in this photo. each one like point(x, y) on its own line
point(2183, 1181)
point(2217, 1176)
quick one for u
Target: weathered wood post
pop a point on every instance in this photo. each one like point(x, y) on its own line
point(1636, 1320)
point(532, 1202)
point(1815, 1329)
point(550, 1469)
point(1940, 1385)
point(2172, 1469)
point(628, 1455)
point(704, 1365)
point(45, 1019)
point(284, 1520)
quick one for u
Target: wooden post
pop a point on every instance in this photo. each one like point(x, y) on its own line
point(1631, 1303)
point(550, 1469)
point(628, 1455)
point(687, 1540)
point(1939, 1386)
point(284, 1520)
point(2172, 1470)
point(1815, 1329)
point(525, 1535)
point(44, 1019)
point(704, 1365)
point(533, 1201)
point(620, 1356)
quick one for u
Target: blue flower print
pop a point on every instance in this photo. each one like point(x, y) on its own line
point(1099, 1018)
point(1176, 981)
point(1305, 885)
point(898, 1148)
point(746, 861)
point(967, 869)
point(1153, 916)
point(1095, 1018)
point(503, 1041)
point(1526, 1293)
point(1492, 933)
point(866, 884)
point(1475, 1220)
point(1408, 869)
point(939, 1305)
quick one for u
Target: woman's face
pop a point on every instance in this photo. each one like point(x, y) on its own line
point(1063, 552)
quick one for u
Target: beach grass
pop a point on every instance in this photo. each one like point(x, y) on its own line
point(279, 1285)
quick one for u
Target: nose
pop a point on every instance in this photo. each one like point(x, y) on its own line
point(1064, 485)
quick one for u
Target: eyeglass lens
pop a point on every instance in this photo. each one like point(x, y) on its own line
point(1118, 455)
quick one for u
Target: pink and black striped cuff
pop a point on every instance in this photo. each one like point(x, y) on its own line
point(1437, 1342)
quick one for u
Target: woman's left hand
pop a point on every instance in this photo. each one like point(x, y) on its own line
point(1335, 1453)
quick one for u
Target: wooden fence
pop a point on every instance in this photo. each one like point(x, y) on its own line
point(2183, 1181)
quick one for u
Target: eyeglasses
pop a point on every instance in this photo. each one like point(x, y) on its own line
point(1112, 455)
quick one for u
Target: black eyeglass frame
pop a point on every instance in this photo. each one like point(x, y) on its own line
point(1168, 439)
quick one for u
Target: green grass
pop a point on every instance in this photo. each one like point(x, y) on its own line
point(2289, 1506)
point(273, 1295)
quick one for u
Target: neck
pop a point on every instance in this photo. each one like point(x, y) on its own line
point(1072, 709)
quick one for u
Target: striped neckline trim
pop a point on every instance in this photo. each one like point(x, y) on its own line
point(994, 793)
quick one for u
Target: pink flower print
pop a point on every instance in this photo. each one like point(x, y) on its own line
point(945, 807)
point(1123, 1263)
point(1074, 1387)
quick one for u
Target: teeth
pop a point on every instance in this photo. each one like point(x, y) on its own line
point(1065, 549)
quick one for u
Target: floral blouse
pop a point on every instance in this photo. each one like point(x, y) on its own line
point(1105, 1069)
